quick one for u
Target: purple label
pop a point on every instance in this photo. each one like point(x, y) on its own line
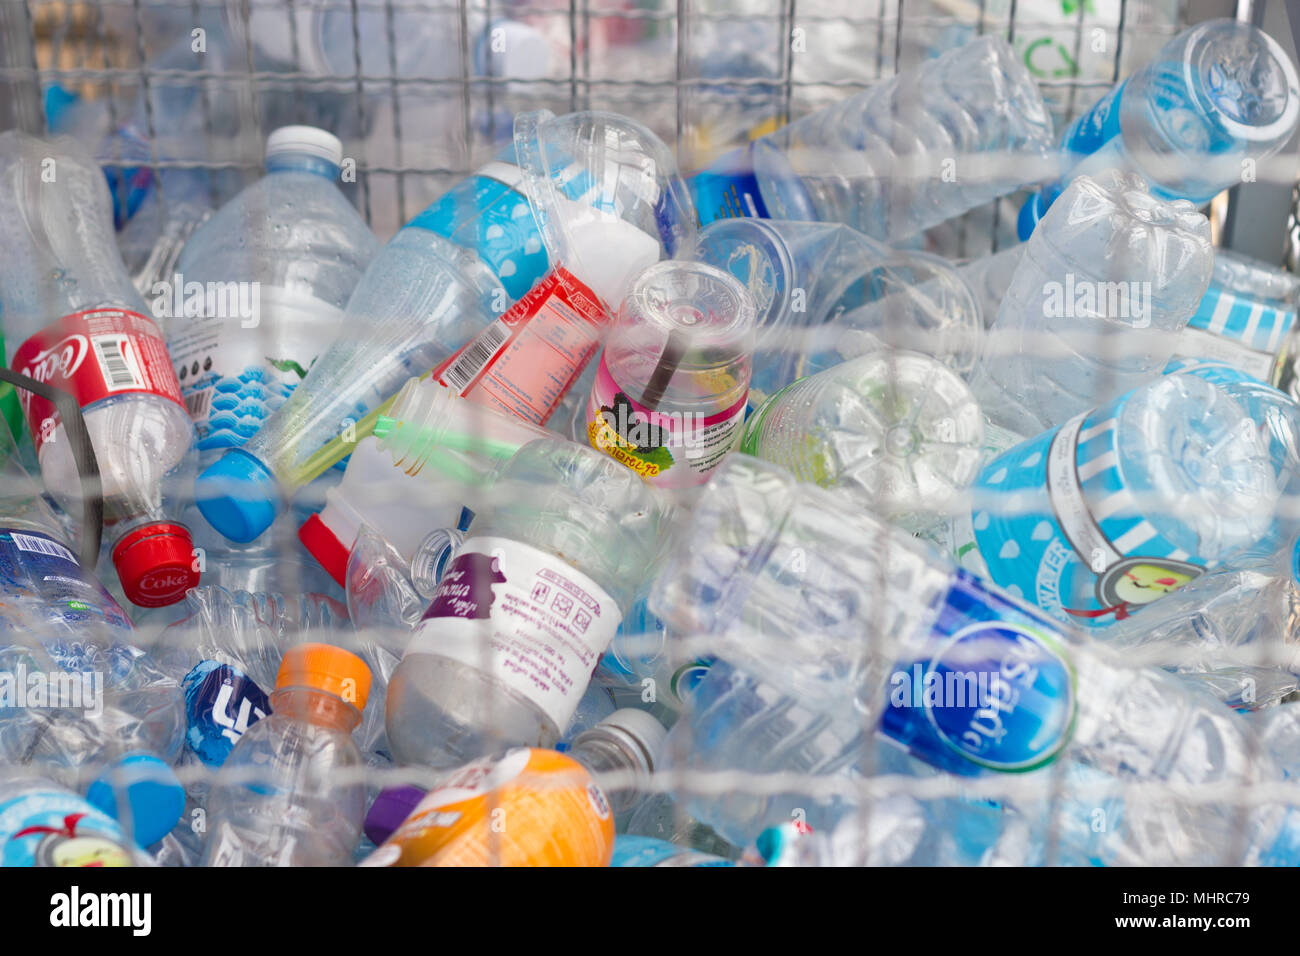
point(466, 588)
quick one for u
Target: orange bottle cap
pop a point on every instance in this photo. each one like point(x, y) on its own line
point(326, 668)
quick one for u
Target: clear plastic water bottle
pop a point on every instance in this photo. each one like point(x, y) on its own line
point(421, 298)
point(905, 155)
point(59, 260)
point(783, 582)
point(1096, 303)
point(780, 580)
point(291, 793)
point(826, 293)
point(276, 267)
point(896, 430)
point(1219, 97)
point(227, 653)
point(562, 806)
point(1121, 505)
point(525, 609)
point(78, 697)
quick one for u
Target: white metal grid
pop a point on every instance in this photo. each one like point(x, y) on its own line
point(103, 50)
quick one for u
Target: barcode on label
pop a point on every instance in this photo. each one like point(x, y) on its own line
point(199, 403)
point(119, 368)
point(475, 357)
point(42, 546)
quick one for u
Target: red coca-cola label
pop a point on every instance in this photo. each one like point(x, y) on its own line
point(92, 355)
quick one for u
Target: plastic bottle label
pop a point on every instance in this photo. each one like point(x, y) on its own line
point(486, 212)
point(35, 564)
point(1080, 565)
point(727, 189)
point(94, 355)
point(992, 688)
point(667, 449)
point(525, 808)
point(527, 618)
point(221, 702)
point(1236, 329)
point(238, 364)
point(525, 362)
point(59, 829)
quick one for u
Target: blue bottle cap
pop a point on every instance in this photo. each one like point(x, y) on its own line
point(57, 102)
point(238, 496)
point(1032, 211)
point(154, 796)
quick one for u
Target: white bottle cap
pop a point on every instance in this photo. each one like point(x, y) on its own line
point(647, 732)
point(305, 139)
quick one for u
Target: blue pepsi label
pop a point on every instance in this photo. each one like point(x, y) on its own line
point(59, 829)
point(221, 702)
point(491, 217)
point(39, 567)
point(991, 688)
point(1059, 527)
point(727, 189)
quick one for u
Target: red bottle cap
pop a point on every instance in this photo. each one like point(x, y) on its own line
point(326, 548)
point(155, 564)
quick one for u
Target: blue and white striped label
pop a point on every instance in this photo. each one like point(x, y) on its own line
point(1237, 329)
point(1057, 526)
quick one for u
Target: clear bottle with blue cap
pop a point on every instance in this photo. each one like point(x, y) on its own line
point(275, 268)
point(1219, 98)
point(420, 300)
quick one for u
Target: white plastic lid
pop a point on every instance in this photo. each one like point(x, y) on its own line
point(604, 251)
point(642, 727)
point(305, 139)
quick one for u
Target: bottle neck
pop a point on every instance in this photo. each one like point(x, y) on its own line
point(317, 707)
point(302, 163)
point(620, 767)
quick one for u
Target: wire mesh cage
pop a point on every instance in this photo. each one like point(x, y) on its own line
point(179, 99)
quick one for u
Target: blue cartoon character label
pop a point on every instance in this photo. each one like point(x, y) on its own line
point(221, 702)
point(59, 829)
point(1091, 525)
point(989, 688)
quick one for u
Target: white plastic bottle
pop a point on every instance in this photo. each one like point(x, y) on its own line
point(73, 319)
point(525, 609)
